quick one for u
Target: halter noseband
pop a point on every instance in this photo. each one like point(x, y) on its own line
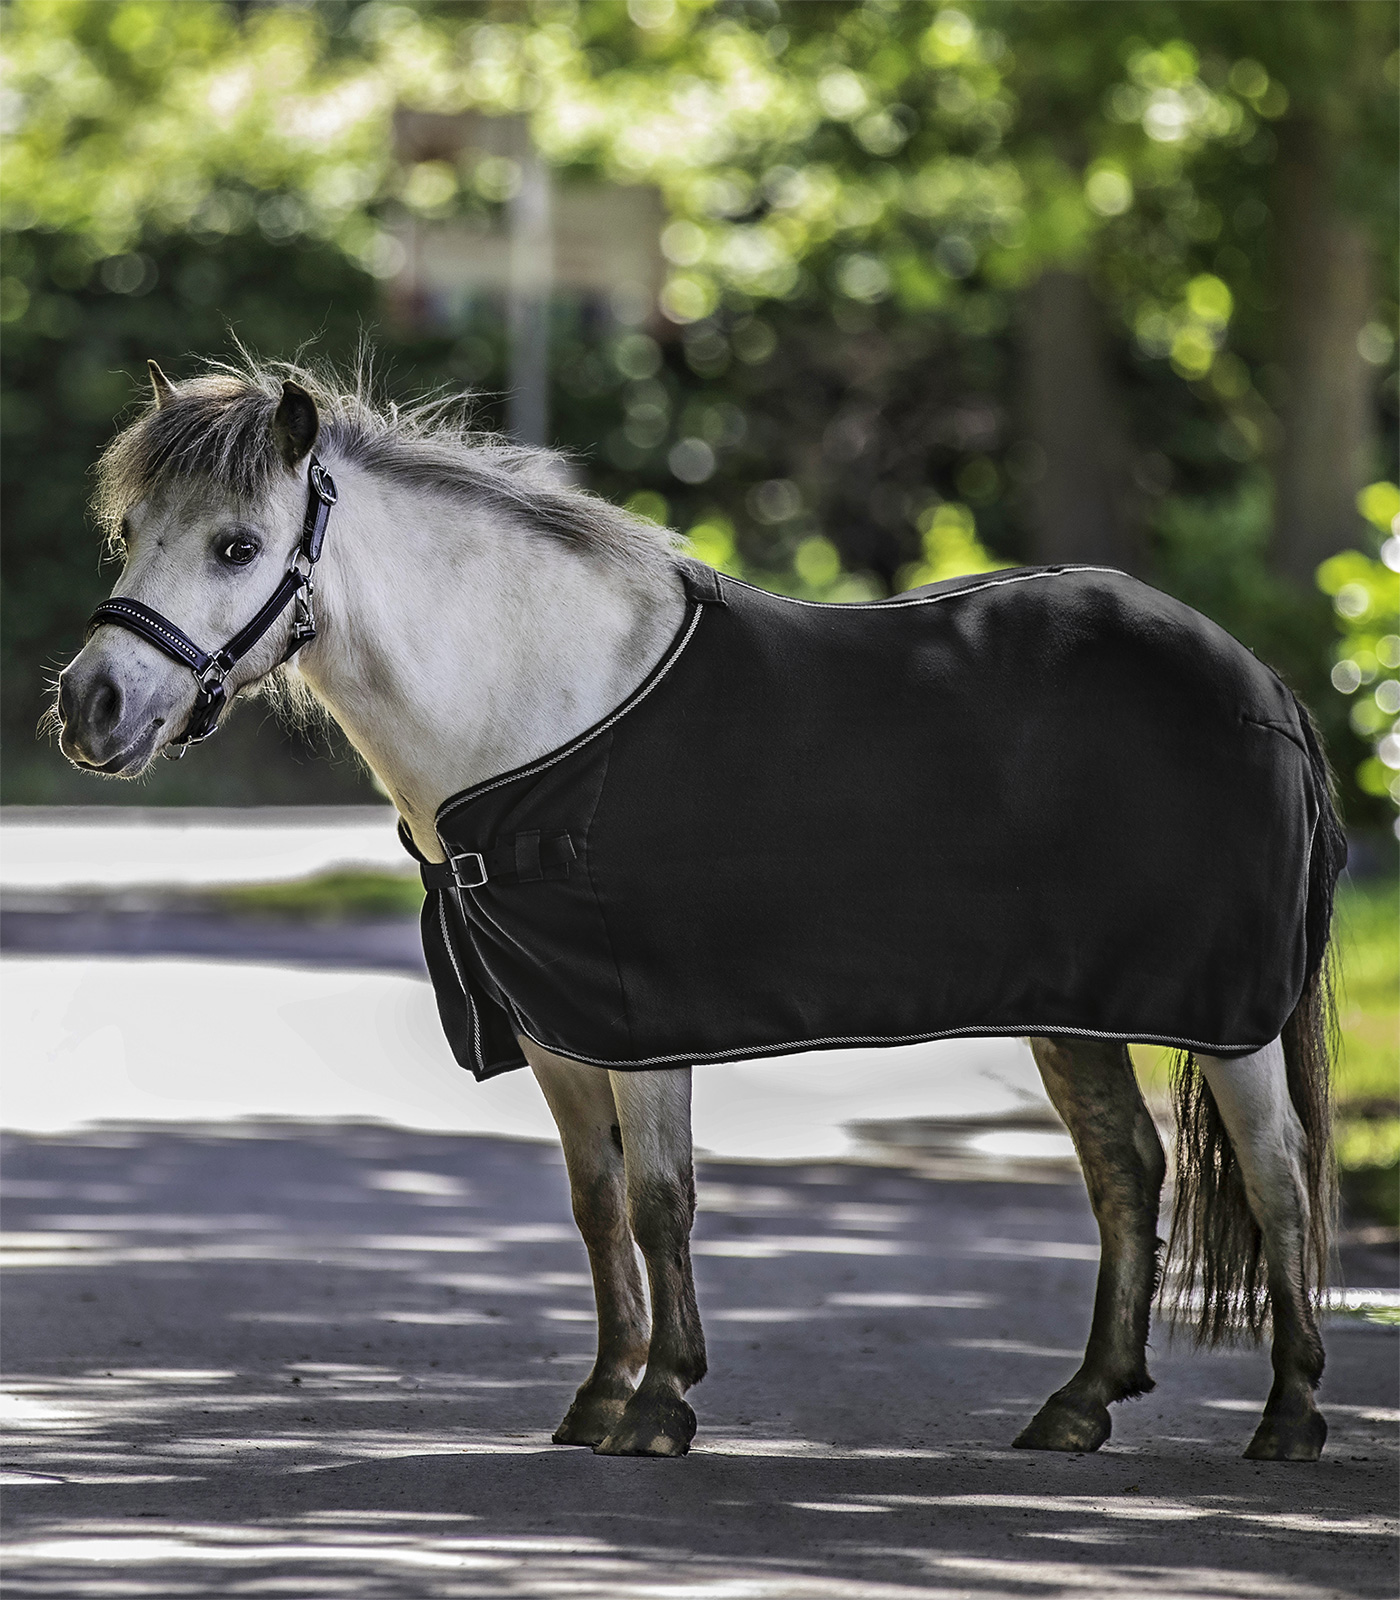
point(210, 670)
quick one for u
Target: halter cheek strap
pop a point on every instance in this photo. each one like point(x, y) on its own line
point(211, 669)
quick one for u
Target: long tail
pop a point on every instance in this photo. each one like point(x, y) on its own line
point(1216, 1255)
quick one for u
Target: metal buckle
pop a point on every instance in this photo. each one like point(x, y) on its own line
point(322, 484)
point(213, 677)
point(303, 615)
point(469, 855)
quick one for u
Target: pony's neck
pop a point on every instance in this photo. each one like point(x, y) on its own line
point(455, 645)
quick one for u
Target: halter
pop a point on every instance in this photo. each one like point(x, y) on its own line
point(210, 670)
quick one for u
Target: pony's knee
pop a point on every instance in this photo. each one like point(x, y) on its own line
point(599, 1206)
point(661, 1211)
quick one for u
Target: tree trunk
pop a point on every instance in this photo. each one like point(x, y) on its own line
point(1080, 500)
point(1329, 438)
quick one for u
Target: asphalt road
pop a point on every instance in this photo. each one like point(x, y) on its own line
point(324, 1361)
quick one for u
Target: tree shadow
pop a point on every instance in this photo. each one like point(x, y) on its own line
point(325, 1359)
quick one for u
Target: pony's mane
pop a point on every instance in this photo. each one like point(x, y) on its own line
point(216, 427)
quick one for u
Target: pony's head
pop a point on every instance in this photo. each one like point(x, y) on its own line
point(202, 497)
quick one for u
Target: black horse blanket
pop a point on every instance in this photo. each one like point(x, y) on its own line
point(1042, 801)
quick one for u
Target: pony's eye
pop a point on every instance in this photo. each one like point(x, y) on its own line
point(238, 551)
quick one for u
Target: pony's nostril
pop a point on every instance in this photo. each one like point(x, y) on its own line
point(67, 708)
point(104, 705)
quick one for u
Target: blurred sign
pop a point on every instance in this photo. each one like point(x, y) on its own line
point(603, 239)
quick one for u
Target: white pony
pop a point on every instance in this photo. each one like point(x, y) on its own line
point(459, 574)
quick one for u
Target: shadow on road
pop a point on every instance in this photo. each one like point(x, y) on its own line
point(325, 1360)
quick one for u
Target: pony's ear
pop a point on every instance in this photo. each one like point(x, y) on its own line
point(161, 386)
point(295, 423)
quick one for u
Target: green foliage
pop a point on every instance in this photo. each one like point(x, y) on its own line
point(1368, 997)
point(1365, 596)
point(856, 194)
point(141, 118)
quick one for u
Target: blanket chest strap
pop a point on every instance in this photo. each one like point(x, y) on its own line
point(530, 857)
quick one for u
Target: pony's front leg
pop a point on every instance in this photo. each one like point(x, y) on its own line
point(581, 1100)
point(654, 1114)
point(1094, 1089)
point(1251, 1094)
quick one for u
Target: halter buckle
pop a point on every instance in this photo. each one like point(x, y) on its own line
point(322, 484)
point(211, 679)
point(304, 616)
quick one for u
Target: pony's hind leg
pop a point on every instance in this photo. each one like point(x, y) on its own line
point(654, 1114)
point(581, 1100)
point(1251, 1095)
point(1094, 1089)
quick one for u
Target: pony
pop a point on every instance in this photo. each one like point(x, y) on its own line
point(474, 614)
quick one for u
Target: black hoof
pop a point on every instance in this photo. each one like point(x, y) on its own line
point(1066, 1423)
point(1296, 1438)
point(651, 1425)
point(589, 1421)
point(596, 1410)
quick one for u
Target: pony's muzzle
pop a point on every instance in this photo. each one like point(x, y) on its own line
point(106, 728)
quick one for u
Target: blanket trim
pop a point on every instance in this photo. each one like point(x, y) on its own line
point(898, 602)
point(972, 1031)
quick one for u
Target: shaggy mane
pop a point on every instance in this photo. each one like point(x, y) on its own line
point(217, 427)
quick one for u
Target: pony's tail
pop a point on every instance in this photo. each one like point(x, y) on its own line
point(1216, 1255)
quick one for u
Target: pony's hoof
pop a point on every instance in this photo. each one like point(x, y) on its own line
point(1298, 1438)
point(652, 1425)
point(590, 1419)
point(1066, 1423)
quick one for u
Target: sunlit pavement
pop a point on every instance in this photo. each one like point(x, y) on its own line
point(182, 1040)
point(283, 1360)
point(116, 847)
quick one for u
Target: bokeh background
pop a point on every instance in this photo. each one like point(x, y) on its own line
point(854, 296)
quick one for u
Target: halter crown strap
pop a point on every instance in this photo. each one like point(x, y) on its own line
point(210, 670)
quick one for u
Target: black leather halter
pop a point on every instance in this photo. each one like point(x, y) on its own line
point(210, 670)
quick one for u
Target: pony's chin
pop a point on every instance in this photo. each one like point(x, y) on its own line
point(128, 763)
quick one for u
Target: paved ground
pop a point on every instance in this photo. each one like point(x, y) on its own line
point(319, 1360)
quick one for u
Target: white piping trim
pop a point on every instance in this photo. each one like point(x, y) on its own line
point(921, 600)
point(794, 1047)
point(461, 981)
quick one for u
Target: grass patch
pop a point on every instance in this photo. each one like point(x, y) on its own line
point(332, 897)
point(1368, 996)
